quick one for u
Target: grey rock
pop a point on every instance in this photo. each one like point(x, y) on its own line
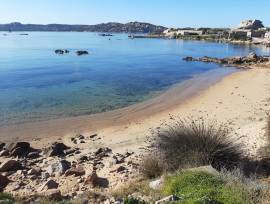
point(58, 167)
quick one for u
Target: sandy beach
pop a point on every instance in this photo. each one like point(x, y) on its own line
point(240, 100)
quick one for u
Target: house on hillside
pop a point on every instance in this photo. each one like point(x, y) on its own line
point(267, 35)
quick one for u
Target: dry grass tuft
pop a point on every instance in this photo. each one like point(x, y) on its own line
point(190, 143)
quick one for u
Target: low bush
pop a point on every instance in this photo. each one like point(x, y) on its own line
point(201, 187)
point(152, 166)
point(191, 143)
point(6, 198)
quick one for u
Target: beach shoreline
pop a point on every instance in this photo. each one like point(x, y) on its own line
point(128, 128)
point(178, 94)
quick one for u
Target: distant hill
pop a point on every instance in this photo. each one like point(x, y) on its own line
point(132, 27)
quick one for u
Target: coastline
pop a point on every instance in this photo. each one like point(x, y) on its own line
point(50, 128)
point(240, 99)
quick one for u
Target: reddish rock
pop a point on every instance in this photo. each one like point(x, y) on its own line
point(76, 171)
point(92, 180)
point(52, 194)
point(10, 165)
point(50, 184)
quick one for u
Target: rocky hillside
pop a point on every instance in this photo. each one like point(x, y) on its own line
point(132, 27)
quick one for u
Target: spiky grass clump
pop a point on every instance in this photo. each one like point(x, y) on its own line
point(190, 143)
point(152, 166)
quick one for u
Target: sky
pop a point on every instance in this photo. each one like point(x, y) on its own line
point(169, 13)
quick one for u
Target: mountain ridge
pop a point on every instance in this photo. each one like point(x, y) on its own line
point(113, 27)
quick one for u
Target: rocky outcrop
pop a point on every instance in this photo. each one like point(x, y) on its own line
point(251, 24)
point(61, 52)
point(250, 59)
point(82, 52)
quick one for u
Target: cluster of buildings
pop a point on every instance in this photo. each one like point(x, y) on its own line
point(247, 29)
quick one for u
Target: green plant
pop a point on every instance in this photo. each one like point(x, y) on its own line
point(6, 198)
point(131, 200)
point(190, 143)
point(201, 187)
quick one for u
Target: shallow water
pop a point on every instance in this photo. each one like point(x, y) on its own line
point(37, 84)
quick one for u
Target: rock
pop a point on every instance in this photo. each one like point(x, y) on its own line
point(92, 180)
point(61, 52)
point(34, 171)
point(75, 171)
point(58, 167)
point(208, 169)
point(82, 52)
point(156, 184)
point(50, 184)
point(118, 169)
point(103, 152)
point(57, 149)
point(33, 155)
point(19, 149)
point(10, 165)
point(251, 24)
point(4, 181)
point(2, 145)
point(4, 153)
point(52, 194)
point(169, 199)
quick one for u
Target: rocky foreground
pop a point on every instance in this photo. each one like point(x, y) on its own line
point(242, 62)
point(62, 172)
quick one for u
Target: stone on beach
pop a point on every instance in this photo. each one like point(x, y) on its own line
point(10, 165)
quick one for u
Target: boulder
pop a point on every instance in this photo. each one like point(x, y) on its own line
point(58, 167)
point(4, 153)
point(52, 194)
point(33, 155)
point(61, 52)
point(50, 184)
point(2, 145)
point(56, 149)
point(251, 24)
point(156, 184)
point(82, 52)
point(92, 180)
point(19, 149)
point(10, 165)
point(4, 181)
point(75, 171)
point(103, 152)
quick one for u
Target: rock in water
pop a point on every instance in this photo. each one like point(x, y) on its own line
point(82, 52)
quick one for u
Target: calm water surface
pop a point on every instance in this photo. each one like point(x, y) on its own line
point(36, 84)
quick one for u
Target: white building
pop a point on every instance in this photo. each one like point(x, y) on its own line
point(267, 35)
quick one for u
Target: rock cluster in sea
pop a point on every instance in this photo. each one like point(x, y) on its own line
point(250, 59)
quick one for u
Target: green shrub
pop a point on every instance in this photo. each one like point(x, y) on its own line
point(133, 201)
point(201, 187)
point(192, 143)
point(6, 198)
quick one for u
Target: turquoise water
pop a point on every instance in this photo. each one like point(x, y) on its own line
point(37, 84)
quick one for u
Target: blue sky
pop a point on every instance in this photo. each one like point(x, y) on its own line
point(170, 13)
